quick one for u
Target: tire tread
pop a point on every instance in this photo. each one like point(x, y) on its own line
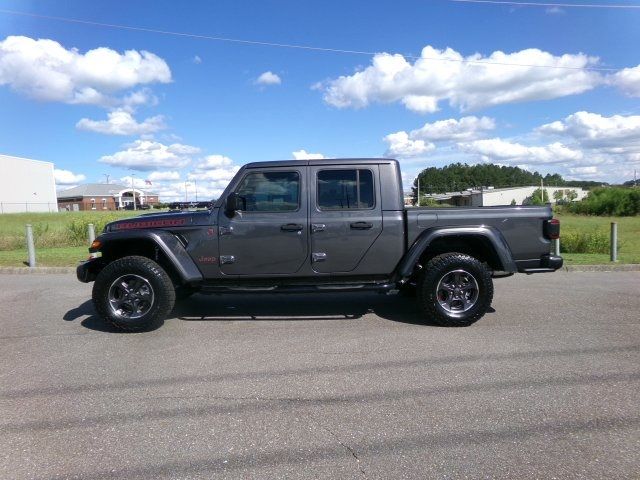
point(434, 270)
point(165, 293)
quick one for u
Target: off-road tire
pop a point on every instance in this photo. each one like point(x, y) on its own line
point(431, 298)
point(152, 277)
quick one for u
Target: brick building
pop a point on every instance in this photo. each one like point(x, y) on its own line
point(103, 196)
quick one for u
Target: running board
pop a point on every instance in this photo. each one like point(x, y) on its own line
point(351, 287)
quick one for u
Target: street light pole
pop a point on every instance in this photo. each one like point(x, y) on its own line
point(133, 192)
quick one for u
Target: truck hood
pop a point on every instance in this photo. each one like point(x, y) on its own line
point(161, 221)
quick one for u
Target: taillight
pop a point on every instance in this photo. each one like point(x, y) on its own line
point(552, 229)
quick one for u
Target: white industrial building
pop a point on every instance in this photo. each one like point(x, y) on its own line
point(26, 185)
point(489, 196)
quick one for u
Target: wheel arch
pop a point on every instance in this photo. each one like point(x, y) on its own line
point(160, 246)
point(484, 243)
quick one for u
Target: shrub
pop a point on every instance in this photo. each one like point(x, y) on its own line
point(539, 197)
point(611, 201)
point(78, 228)
point(595, 241)
point(11, 242)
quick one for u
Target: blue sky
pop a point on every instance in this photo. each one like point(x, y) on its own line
point(200, 111)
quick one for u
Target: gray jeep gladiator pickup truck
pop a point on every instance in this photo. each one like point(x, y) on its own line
point(316, 226)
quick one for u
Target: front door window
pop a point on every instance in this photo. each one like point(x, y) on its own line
point(270, 192)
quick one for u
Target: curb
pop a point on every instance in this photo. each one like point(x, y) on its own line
point(628, 267)
point(36, 270)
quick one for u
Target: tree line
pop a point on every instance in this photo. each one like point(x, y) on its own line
point(459, 177)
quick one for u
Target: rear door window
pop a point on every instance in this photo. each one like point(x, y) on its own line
point(345, 189)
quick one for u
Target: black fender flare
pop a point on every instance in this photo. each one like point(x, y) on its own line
point(493, 236)
point(165, 241)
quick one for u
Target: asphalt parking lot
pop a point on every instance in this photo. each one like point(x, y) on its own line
point(327, 386)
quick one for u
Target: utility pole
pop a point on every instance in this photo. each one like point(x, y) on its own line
point(133, 191)
point(195, 183)
point(541, 190)
point(418, 190)
point(186, 198)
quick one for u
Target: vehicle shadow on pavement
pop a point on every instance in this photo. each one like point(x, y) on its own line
point(276, 307)
point(297, 307)
point(92, 322)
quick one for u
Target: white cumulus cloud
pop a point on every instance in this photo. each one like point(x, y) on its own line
point(614, 134)
point(67, 177)
point(304, 155)
point(214, 161)
point(627, 80)
point(213, 173)
point(268, 78)
point(584, 171)
point(465, 82)
point(160, 176)
point(150, 155)
point(505, 151)
point(451, 129)
point(122, 122)
point(137, 182)
point(45, 70)
point(143, 96)
point(222, 174)
point(583, 145)
point(420, 141)
point(400, 145)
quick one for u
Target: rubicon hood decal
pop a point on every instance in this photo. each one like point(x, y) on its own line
point(157, 223)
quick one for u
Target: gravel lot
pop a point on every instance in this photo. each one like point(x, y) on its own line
point(326, 386)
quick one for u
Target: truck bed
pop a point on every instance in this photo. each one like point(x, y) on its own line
point(521, 226)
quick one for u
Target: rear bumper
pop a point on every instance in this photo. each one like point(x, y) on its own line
point(547, 263)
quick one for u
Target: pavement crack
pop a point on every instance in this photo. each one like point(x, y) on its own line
point(209, 397)
point(348, 448)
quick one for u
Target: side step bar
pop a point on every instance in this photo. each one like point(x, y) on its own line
point(331, 288)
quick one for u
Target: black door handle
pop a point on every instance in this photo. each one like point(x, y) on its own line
point(291, 227)
point(361, 225)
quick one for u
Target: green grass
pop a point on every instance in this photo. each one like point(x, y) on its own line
point(597, 258)
point(63, 229)
point(60, 238)
point(45, 257)
point(628, 237)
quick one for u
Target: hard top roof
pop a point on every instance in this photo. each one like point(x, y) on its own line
point(323, 161)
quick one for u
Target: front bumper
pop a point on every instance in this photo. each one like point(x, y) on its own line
point(86, 271)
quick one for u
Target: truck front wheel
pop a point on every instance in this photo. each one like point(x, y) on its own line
point(455, 290)
point(133, 293)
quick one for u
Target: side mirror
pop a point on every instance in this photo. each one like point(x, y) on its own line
point(231, 206)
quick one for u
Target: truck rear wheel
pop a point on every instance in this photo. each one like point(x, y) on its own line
point(455, 290)
point(133, 293)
